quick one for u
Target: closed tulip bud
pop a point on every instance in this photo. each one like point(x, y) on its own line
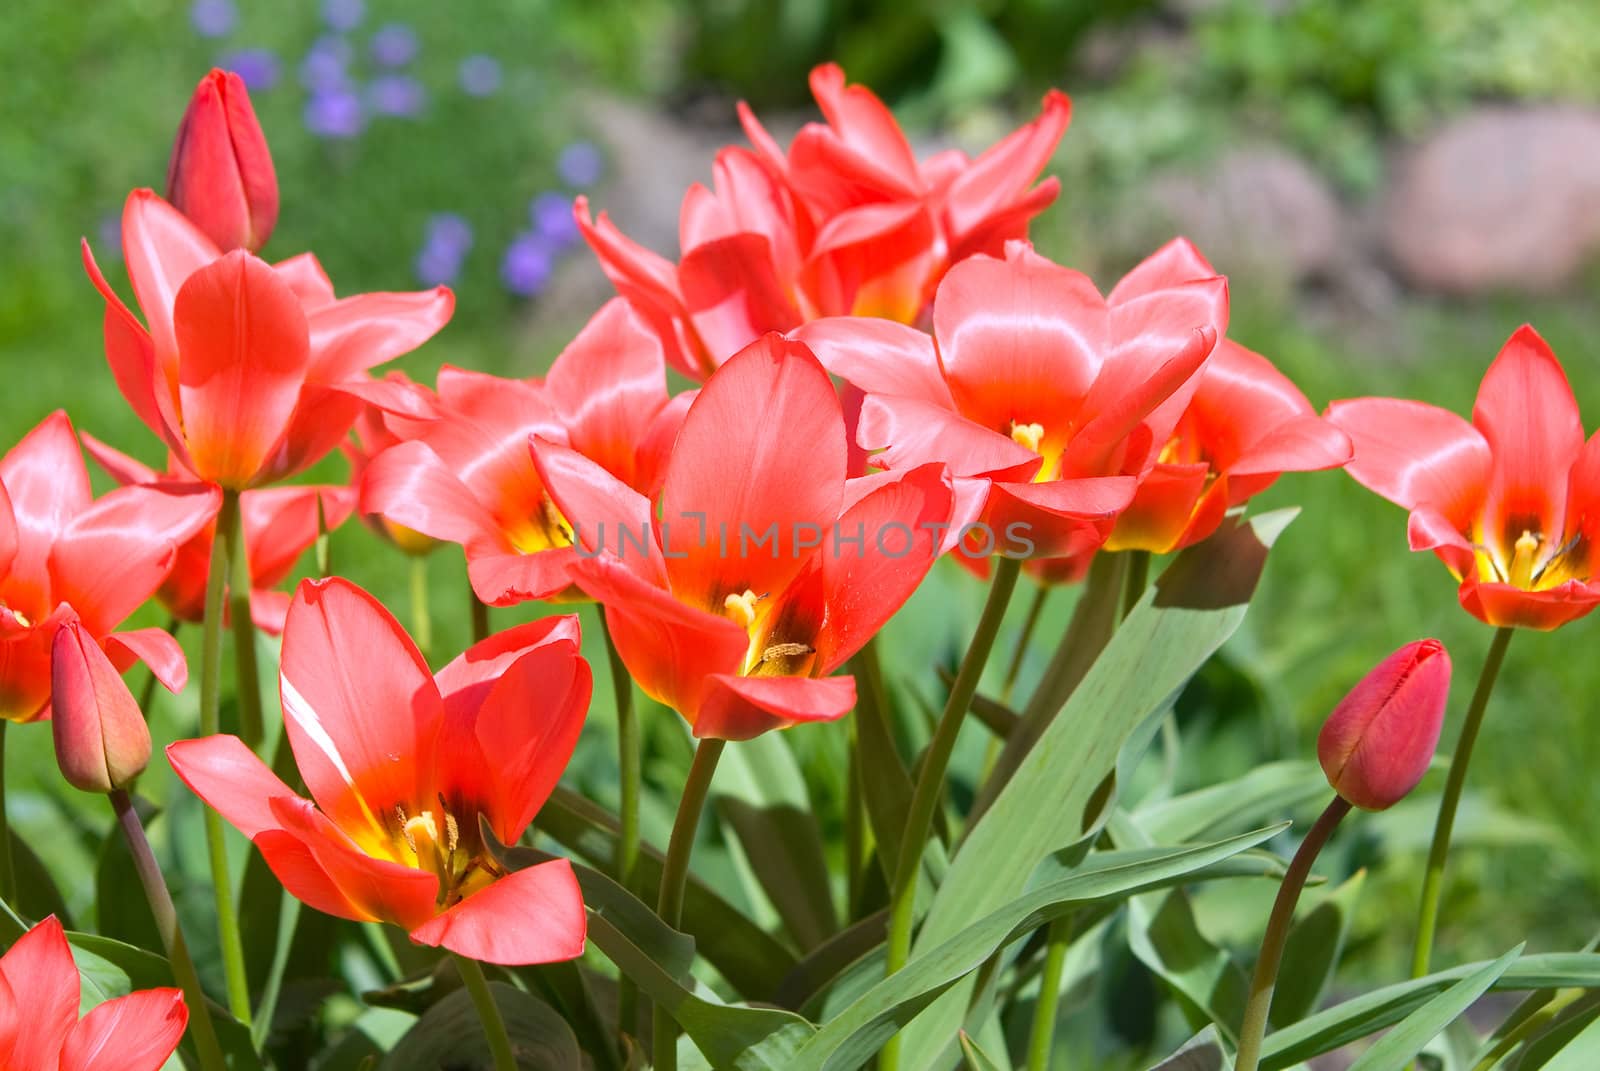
point(1377, 743)
point(102, 742)
point(221, 173)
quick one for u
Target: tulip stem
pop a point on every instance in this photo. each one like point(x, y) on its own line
point(1254, 1027)
point(494, 1026)
point(421, 620)
point(628, 765)
point(1029, 623)
point(210, 725)
point(1439, 850)
point(1136, 581)
point(675, 875)
point(8, 867)
point(1041, 1040)
point(166, 916)
point(930, 780)
point(480, 616)
point(247, 682)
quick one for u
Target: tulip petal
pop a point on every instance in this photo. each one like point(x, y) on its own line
point(245, 351)
point(359, 703)
point(740, 708)
point(608, 385)
point(467, 680)
point(148, 385)
point(162, 250)
point(121, 467)
point(136, 1032)
point(862, 122)
point(762, 450)
point(1133, 408)
point(1415, 454)
point(280, 523)
point(669, 647)
point(899, 524)
point(878, 356)
point(350, 336)
point(304, 275)
point(8, 532)
point(505, 579)
point(378, 888)
point(533, 915)
point(1379, 740)
point(612, 517)
point(25, 666)
point(529, 723)
point(649, 282)
point(231, 780)
point(140, 528)
point(1174, 264)
point(410, 485)
point(43, 981)
point(732, 294)
point(1161, 509)
point(1021, 341)
point(156, 648)
point(1504, 605)
point(985, 191)
point(1529, 418)
point(48, 485)
point(1583, 497)
point(914, 432)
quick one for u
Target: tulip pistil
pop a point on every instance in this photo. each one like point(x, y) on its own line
point(1027, 435)
point(1534, 566)
point(742, 608)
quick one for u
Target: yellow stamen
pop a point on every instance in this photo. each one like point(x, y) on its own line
point(742, 608)
point(1028, 435)
point(1522, 559)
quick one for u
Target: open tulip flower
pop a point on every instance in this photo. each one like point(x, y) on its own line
point(467, 475)
point(376, 430)
point(847, 222)
point(39, 1025)
point(1047, 400)
point(402, 765)
point(765, 568)
point(241, 408)
point(280, 524)
point(55, 542)
point(1509, 502)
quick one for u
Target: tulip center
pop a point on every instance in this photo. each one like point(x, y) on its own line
point(545, 529)
point(1535, 564)
point(1027, 435)
point(433, 841)
point(769, 654)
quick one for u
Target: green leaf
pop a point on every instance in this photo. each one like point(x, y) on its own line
point(856, 1033)
point(117, 913)
point(977, 1059)
point(1264, 793)
point(1399, 1046)
point(751, 959)
point(887, 793)
point(1203, 1052)
point(1576, 1042)
point(37, 896)
point(1360, 1016)
point(1163, 934)
point(1316, 941)
point(816, 972)
point(1179, 623)
point(451, 1035)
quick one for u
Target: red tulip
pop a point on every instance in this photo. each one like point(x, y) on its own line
point(468, 477)
point(847, 222)
point(1510, 502)
point(765, 568)
point(220, 175)
point(375, 431)
point(102, 742)
point(249, 372)
point(1048, 401)
point(39, 1025)
point(401, 766)
point(1379, 740)
point(56, 541)
point(280, 524)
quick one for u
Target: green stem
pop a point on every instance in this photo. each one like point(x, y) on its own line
point(1041, 1041)
point(675, 875)
point(1136, 581)
point(480, 617)
point(1439, 850)
point(1254, 1027)
point(8, 867)
point(421, 620)
point(629, 766)
point(930, 780)
point(166, 916)
point(230, 524)
point(210, 725)
point(855, 825)
point(494, 1027)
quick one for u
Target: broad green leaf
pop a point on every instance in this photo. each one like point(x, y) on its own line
point(977, 1059)
point(566, 987)
point(887, 793)
point(784, 849)
point(1399, 1046)
point(1367, 1014)
point(861, 1029)
point(1576, 1045)
point(813, 974)
point(1163, 934)
point(376, 1032)
point(1265, 792)
point(37, 896)
point(1203, 1052)
point(751, 959)
point(451, 1035)
point(1315, 944)
point(1179, 623)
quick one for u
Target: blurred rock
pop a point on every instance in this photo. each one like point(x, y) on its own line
point(1258, 211)
point(1502, 199)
